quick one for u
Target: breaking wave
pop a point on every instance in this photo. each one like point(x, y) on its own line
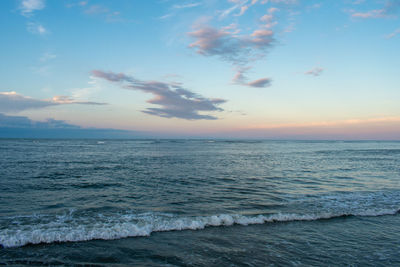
point(38, 229)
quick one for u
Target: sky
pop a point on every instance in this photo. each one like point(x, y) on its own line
point(275, 69)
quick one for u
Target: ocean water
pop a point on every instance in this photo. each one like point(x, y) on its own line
point(199, 203)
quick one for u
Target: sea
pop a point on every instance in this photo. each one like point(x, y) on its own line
point(199, 203)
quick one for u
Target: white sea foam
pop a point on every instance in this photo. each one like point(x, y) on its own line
point(69, 228)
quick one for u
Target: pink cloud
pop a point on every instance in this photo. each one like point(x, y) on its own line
point(174, 100)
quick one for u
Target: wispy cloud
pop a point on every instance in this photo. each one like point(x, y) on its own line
point(14, 102)
point(188, 5)
point(175, 9)
point(243, 9)
point(317, 71)
point(241, 5)
point(358, 2)
point(99, 10)
point(62, 99)
point(314, 6)
point(166, 16)
point(44, 68)
point(286, 2)
point(393, 34)
point(47, 57)
point(92, 90)
point(37, 28)
point(390, 9)
point(175, 100)
point(29, 6)
point(80, 3)
point(376, 13)
point(238, 5)
point(96, 9)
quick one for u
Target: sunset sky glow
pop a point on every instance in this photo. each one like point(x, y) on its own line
point(286, 69)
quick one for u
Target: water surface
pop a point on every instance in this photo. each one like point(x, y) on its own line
point(199, 202)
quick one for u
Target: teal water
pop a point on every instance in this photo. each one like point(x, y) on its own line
point(199, 202)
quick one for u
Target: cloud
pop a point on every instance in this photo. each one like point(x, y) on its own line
point(29, 6)
point(47, 57)
point(314, 6)
point(260, 83)
point(37, 28)
point(229, 45)
point(238, 4)
point(92, 90)
point(23, 127)
point(241, 79)
point(24, 122)
point(241, 5)
point(376, 13)
point(186, 5)
point(175, 9)
point(389, 10)
point(166, 16)
point(175, 101)
point(210, 41)
point(61, 99)
point(393, 34)
point(243, 9)
point(286, 2)
point(81, 4)
point(96, 9)
point(14, 102)
point(317, 71)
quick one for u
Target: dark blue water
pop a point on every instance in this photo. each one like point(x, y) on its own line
point(199, 202)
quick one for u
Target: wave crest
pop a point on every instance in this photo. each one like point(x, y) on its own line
point(68, 228)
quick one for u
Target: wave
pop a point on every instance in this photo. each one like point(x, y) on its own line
point(69, 228)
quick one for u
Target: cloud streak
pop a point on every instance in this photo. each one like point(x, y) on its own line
point(183, 6)
point(25, 122)
point(317, 71)
point(24, 127)
point(99, 10)
point(389, 10)
point(393, 34)
point(14, 102)
point(174, 100)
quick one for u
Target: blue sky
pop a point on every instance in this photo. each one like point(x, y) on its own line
point(228, 68)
